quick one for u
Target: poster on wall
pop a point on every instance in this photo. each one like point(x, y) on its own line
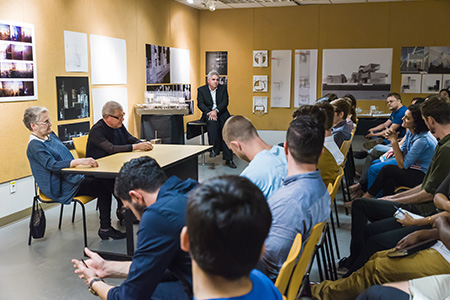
point(76, 51)
point(260, 83)
point(414, 60)
point(305, 78)
point(185, 88)
point(18, 80)
point(411, 83)
point(179, 66)
point(102, 95)
point(280, 85)
point(217, 61)
point(259, 105)
point(364, 73)
point(439, 60)
point(446, 82)
point(73, 97)
point(431, 83)
point(108, 60)
point(157, 64)
point(68, 131)
point(260, 58)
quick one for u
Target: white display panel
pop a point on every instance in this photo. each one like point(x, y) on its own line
point(179, 66)
point(108, 60)
point(76, 51)
point(305, 78)
point(102, 95)
point(280, 87)
point(411, 83)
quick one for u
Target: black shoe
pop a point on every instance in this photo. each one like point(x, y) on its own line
point(120, 213)
point(111, 233)
point(212, 154)
point(360, 154)
point(231, 164)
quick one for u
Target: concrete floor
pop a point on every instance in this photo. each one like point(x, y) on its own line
point(44, 269)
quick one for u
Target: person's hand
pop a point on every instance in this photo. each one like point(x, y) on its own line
point(391, 135)
point(96, 264)
point(83, 273)
point(410, 239)
point(212, 115)
point(442, 221)
point(88, 161)
point(389, 154)
point(407, 220)
point(369, 134)
point(144, 146)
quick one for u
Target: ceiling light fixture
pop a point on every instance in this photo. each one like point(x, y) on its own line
point(190, 1)
point(210, 4)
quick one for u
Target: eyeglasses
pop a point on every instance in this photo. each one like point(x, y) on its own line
point(117, 118)
point(46, 122)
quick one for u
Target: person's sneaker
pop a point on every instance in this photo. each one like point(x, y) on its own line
point(360, 154)
point(372, 143)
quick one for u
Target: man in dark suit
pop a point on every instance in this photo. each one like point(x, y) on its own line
point(212, 99)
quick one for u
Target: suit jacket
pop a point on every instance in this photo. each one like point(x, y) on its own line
point(205, 102)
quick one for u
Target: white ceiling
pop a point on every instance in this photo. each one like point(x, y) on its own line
point(227, 4)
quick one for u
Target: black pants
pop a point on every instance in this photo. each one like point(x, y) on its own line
point(380, 292)
point(102, 189)
point(391, 177)
point(215, 136)
point(382, 233)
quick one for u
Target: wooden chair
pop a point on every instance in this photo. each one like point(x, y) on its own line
point(304, 263)
point(286, 270)
point(80, 143)
point(81, 200)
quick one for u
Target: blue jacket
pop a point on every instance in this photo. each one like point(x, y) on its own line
point(158, 243)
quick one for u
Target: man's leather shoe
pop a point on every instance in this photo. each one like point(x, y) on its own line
point(212, 154)
point(115, 234)
point(360, 154)
point(231, 164)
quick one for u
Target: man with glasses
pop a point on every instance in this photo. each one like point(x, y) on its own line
point(109, 136)
point(212, 99)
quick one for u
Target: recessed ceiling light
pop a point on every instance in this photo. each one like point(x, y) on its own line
point(190, 1)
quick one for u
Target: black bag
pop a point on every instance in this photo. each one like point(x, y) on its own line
point(37, 222)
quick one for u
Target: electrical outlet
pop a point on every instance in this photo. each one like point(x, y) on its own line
point(12, 187)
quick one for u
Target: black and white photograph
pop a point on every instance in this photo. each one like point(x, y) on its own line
point(157, 64)
point(68, 131)
point(217, 61)
point(364, 73)
point(414, 60)
point(439, 60)
point(431, 83)
point(73, 97)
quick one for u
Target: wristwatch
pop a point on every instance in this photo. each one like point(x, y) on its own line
point(91, 289)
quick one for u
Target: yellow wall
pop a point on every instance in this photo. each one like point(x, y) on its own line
point(369, 25)
point(162, 22)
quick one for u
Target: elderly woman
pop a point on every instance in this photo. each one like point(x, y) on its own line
point(47, 156)
point(412, 159)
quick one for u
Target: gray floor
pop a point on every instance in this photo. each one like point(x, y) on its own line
point(44, 269)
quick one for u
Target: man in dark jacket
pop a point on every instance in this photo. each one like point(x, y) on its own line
point(212, 100)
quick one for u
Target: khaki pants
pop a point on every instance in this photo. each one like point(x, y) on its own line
point(382, 269)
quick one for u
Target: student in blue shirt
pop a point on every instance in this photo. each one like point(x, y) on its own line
point(228, 220)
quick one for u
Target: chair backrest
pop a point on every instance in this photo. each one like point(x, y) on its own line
point(304, 261)
point(80, 143)
point(333, 188)
point(345, 147)
point(286, 270)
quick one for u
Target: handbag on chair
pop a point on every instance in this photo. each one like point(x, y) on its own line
point(38, 221)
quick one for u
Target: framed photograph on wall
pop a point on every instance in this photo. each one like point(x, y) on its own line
point(18, 81)
point(157, 64)
point(217, 61)
point(73, 97)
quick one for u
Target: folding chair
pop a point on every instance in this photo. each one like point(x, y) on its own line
point(332, 190)
point(81, 200)
point(286, 270)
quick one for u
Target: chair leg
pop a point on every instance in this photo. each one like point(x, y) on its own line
point(328, 253)
point(60, 216)
point(74, 210)
point(333, 270)
point(319, 266)
point(337, 215)
point(83, 212)
point(334, 235)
